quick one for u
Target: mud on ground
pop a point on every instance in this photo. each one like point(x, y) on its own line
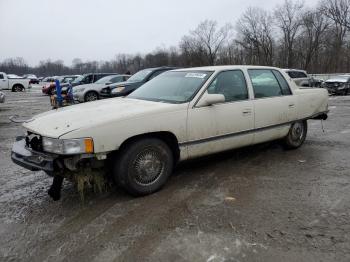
point(260, 203)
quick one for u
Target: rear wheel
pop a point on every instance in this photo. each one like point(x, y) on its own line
point(296, 135)
point(91, 96)
point(17, 88)
point(143, 166)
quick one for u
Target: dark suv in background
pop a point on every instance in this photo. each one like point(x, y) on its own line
point(89, 78)
point(134, 82)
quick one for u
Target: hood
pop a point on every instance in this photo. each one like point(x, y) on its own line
point(337, 80)
point(58, 122)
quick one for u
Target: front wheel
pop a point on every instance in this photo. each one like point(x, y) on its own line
point(91, 96)
point(143, 166)
point(296, 135)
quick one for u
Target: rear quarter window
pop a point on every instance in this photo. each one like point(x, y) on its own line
point(283, 83)
point(296, 74)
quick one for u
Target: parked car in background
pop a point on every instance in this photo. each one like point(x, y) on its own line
point(49, 88)
point(91, 92)
point(179, 115)
point(300, 77)
point(338, 85)
point(89, 78)
point(48, 79)
point(32, 78)
point(67, 78)
point(316, 82)
point(14, 84)
point(2, 97)
point(134, 82)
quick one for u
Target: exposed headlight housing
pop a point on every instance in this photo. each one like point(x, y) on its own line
point(342, 86)
point(118, 89)
point(68, 146)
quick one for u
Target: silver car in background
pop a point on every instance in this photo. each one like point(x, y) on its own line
point(300, 77)
point(91, 92)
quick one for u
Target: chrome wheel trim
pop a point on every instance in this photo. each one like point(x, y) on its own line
point(147, 167)
point(297, 132)
point(91, 96)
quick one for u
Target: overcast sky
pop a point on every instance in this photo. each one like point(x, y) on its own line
point(99, 29)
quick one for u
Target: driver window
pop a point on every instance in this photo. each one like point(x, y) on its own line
point(231, 84)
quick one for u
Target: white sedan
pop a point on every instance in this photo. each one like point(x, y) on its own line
point(181, 114)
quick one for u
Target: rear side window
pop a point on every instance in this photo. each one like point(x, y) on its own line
point(296, 74)
point(231, 84)
point(283, 83)
point(264, 83)
point(117, 79)
point(1, 76)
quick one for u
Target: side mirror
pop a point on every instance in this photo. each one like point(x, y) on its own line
point(210, 99)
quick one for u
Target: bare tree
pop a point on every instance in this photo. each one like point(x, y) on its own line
point(288, 19)
point(313, 28)
point(206, 40)
point(256, 36)
point(337, 10)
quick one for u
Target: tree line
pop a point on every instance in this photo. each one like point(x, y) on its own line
point(291, 35)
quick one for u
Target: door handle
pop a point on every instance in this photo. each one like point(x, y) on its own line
point(247, 111)
point(291, 105)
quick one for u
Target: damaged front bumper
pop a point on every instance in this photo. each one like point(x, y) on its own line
point(30, 159)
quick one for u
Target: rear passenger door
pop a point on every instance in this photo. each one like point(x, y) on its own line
point(274, 104)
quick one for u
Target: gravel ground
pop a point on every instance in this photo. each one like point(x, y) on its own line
point(259, 203)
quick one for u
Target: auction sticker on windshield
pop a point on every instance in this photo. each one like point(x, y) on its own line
point(196, 75)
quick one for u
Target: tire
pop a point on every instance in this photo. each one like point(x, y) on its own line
point(143, 166)
point(17, 88)
point(91, 96)
point(296, 135)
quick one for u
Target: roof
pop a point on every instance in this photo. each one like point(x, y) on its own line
point(159, 68)
point(293, 69)
point(226, 67)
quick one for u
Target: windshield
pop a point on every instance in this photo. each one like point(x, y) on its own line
point(104, 80)
point(140, 75)
point(78, 79)
point(172, 86)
